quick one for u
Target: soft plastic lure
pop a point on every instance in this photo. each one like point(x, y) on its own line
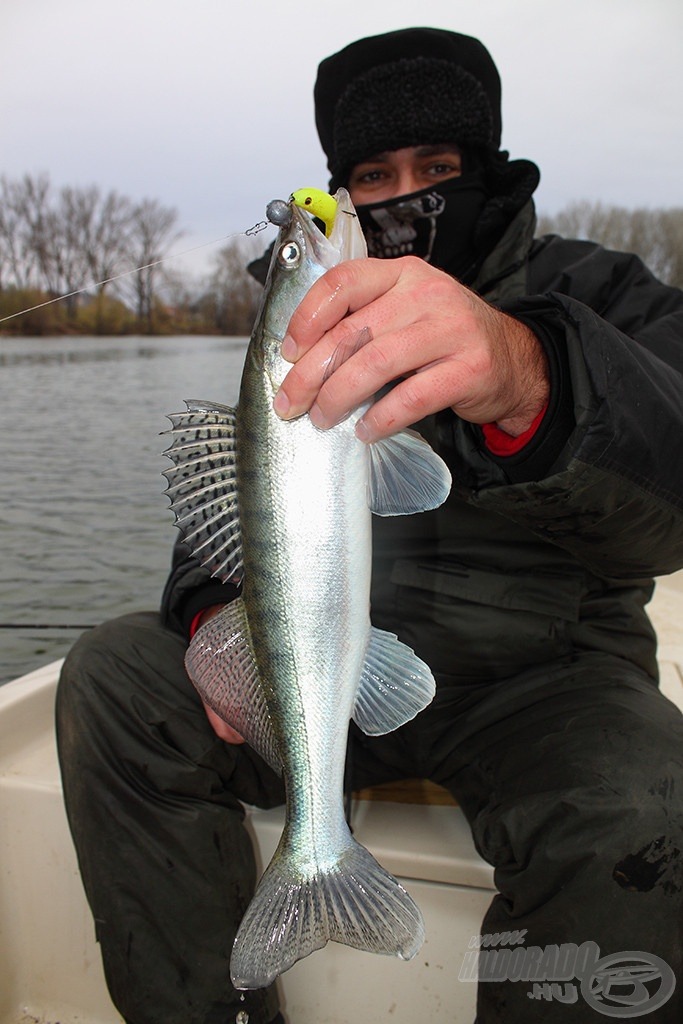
point(319, 203)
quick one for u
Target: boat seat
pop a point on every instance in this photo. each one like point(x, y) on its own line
point(408, 791)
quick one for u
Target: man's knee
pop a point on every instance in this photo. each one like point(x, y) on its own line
point(117, 680)
point(118, 655)
point(605, 784)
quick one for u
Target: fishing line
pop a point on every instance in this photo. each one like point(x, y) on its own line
point(253, 230)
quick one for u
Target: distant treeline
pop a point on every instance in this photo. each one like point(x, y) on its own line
point(58, 242)
point(654, 235)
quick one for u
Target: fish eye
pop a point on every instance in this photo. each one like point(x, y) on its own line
point(289, 255)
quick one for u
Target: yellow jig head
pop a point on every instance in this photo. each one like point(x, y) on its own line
point(319, 203)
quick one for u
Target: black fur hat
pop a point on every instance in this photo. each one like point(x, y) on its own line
point(412, 87)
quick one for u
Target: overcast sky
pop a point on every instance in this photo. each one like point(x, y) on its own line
point(206, 105)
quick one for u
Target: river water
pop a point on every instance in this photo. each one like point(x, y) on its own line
point(86, 528)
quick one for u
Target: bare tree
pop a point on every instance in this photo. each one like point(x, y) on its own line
point(25, 228)
point(107, 241)
point(104, 225)
point(33, 196)
point(671, 268)
point(13, 258)
point(71, 218)
point(233, 295)
point(151, 235)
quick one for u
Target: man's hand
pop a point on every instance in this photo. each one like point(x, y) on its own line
point(453, 349)
point(221, 728)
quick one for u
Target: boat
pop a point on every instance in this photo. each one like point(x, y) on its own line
point(50, 969)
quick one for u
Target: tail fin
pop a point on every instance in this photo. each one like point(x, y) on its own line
point(355, 902)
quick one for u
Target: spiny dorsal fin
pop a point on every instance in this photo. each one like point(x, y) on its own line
point(202, 485)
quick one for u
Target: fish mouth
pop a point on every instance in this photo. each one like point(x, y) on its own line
point(346, 240)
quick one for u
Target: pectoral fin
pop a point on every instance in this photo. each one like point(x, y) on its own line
point(220, 662)
point(395, 685)
point(202, 486)
point(406, 476)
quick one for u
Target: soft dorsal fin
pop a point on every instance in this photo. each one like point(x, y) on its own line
point(406, 475)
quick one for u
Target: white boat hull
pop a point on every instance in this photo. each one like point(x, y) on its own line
point(51, 968)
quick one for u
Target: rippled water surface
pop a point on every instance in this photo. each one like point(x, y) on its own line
point(86, 530)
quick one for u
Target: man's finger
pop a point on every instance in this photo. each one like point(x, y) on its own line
point(413, 398)
point(342, 290)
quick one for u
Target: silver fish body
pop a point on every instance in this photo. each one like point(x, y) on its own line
point(288, 507)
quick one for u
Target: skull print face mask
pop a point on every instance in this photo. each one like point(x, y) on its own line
point(437, 224)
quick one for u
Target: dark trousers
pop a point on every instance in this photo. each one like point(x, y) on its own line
point(571, 777)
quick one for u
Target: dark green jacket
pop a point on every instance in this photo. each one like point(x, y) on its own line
point(545, 556)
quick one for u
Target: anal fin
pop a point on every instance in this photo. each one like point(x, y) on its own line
point(221, 664)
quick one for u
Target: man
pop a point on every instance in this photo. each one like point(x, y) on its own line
point(547, 374)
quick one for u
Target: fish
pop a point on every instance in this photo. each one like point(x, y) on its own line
point(286, 508)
